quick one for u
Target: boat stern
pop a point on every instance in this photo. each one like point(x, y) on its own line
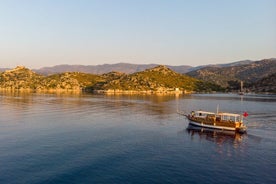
point(241, 129)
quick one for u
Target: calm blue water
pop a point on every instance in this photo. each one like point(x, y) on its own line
point(66, 138)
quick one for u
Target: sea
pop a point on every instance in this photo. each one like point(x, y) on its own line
point(69, 138)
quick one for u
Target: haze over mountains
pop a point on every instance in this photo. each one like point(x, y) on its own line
point(105, 68)
point(127, 68)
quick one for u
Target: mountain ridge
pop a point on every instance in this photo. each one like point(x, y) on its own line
point(123, 67)
point(127, 68)
point(231, 76)
point(257, 77)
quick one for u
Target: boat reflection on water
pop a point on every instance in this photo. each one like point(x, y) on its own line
point(218, 136)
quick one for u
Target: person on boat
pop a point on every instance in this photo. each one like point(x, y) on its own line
point(193, 113)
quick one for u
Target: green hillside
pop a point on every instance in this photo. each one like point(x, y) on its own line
point(20, 78)
point(159, 79)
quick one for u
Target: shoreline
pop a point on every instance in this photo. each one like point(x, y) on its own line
point(121, 92)
point(100, 92)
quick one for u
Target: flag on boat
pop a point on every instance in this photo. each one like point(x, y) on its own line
point(245, 114)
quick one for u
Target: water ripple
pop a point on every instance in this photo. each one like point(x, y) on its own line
point(50, 138)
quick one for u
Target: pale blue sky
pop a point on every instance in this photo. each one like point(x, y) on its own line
point(37, 33)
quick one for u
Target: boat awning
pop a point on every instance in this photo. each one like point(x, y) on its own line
point(203, 112)
point(228, 114)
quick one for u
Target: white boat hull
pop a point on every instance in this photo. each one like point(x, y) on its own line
point(211, 126)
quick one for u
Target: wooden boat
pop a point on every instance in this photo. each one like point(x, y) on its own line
point(220, 120)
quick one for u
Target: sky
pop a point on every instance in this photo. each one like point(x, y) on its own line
point(39, 33)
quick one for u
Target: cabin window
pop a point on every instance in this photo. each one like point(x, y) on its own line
point(218, 118)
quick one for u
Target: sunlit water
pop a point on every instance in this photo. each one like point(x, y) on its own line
point(66, 138)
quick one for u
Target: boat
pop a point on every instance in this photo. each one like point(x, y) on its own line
point(219, 120)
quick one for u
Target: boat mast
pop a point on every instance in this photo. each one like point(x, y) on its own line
point(241, 86)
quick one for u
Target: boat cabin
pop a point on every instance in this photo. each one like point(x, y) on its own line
point(202, 114)
point(221, 116)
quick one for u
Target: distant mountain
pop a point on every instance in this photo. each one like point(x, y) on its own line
point(122, 67)
point(237, 63)
point(105, 68)
point(126, 68)
point(230, 76)
point(4, 69)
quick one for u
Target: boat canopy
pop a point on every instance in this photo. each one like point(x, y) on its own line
point(203, 112)
point(230, 116)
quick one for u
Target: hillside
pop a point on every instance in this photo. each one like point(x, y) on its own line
point(159, 79)
point(69, 81)
point(236, 63)
point(257, 77)
point(266, 84)
point(229, 77)
point(22, 78)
